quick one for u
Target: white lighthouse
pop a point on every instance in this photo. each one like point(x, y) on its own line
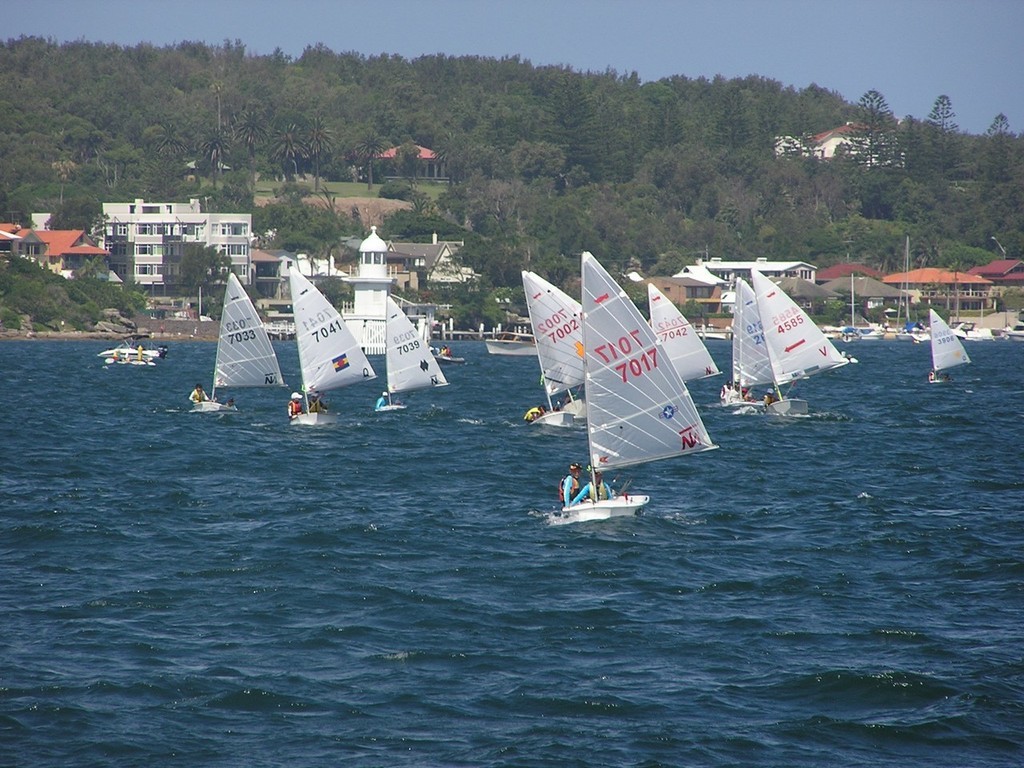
point(372, 285)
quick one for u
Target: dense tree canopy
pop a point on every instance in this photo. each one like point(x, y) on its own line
point(543, 162)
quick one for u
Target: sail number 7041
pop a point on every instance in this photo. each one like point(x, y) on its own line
point(630, 359)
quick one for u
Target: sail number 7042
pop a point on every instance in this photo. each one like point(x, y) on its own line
point(630, 359)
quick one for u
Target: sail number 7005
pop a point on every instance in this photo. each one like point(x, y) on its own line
point(630, 358)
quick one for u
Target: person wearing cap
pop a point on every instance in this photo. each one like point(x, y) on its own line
point(570, 484)
point(198, 395)
point(382, 402)
point(597, 490)
point(316, 404)
point(295, 406)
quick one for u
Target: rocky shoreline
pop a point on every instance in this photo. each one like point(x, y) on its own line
point(155, 330)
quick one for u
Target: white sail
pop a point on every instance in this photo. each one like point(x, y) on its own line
point(638, 407)
point(329, 356)
point(682, 344)
point(245, 355)
point(947, 351)
point(411, 365)
point(796, 346)
point(556, 318)
point(750, 363)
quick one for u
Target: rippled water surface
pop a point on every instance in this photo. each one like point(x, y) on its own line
point(189, 589)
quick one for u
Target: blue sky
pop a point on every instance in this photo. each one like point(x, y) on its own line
point(912, 51)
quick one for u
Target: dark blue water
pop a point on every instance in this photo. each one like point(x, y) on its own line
point(183, 589)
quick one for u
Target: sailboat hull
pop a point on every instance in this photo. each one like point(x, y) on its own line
point(577, 408)
point(314, 419)
point(620, 506)
point(209, 406)
point(787, 408)
point(555, 419)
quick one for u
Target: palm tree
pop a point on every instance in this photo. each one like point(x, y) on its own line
point(251, 129)
point(214, 148)
point(287, 148)
point(319, 142)
point(64, 169)
point(169, 139)
point(371, 146)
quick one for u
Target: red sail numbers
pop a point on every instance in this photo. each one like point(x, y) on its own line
point(628, 356)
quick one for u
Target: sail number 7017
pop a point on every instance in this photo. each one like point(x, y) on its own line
point(635, 360)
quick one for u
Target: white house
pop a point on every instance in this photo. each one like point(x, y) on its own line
point(728, 271)
point(147, 240)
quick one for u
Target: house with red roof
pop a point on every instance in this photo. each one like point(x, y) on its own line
point(62, 251)
point(429, 166)
point(932, 286)
point(1004, 273)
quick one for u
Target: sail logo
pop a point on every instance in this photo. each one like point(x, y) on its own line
point(791, 347)
point(602, 298)
point(340, 363)
point(668, 412)
point(689, 438)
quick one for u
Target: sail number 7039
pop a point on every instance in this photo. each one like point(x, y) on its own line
point(630, 359)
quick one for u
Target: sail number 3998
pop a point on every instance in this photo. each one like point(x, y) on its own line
point(630, 359)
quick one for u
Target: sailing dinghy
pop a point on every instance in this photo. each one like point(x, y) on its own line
point(329, 355)
point(750, 364)
point(556, 320)
point(682, 344)
point(245, 355)
point(411, 364)
point(947, 350)
point(638, 407)
point(796, 346)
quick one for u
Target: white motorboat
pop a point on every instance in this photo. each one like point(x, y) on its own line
point(512, 343)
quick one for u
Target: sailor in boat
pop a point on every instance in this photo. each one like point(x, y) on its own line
point(596, 490)
point(769, 398)
point(316, 403)
point(570, 485)
point(295, 406)
point(384, 401)
point(198, 395)
point(534, 413)
point(934, 376)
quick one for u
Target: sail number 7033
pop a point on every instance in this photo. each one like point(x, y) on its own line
point(630, 358)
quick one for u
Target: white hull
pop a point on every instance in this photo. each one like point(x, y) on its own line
point(787, 408)
point(449, 359)
point(622, 506)
point(555, 419)
point(314, 419)
point(122, 361)
point(513, 348)
point(392, 407)
point(208, 406)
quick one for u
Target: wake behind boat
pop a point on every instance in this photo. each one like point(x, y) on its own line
point(638, 407)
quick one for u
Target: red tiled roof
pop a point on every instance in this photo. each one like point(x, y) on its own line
point(996, 268)
point(60, 241)
point(425, 154)
point(934, 275)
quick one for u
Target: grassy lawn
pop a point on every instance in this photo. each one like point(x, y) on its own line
point(341, 189)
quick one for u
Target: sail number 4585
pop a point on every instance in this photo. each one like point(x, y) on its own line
point(630, 358)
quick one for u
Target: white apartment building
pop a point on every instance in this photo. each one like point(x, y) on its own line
point(147, 240)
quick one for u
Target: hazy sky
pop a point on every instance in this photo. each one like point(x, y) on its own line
point(912, 51)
